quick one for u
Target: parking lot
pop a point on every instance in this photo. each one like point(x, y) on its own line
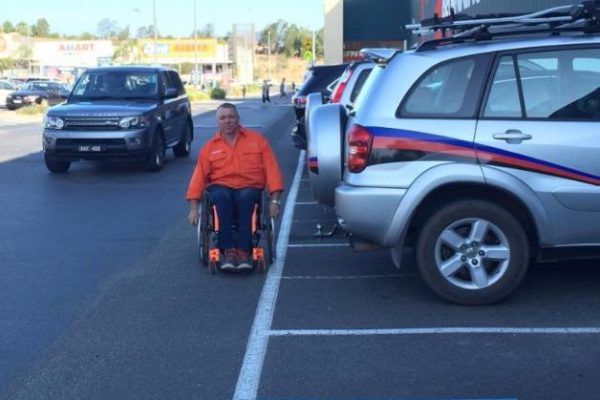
point(126, 311)
point(349, 325)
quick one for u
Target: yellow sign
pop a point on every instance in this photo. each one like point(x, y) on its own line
point(179, 48)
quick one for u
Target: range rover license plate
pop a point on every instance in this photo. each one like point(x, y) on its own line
point(90, 148)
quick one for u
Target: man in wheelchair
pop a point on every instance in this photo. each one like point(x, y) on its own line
point(234, 167)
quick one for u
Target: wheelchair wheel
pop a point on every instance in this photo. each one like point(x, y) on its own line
point(212, 267)
point(269, 234)
point(260, 266)
point(203, 234)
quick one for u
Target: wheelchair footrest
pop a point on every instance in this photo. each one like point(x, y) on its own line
point(213, 254)
point(257, 253)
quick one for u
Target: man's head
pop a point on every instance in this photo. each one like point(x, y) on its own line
point(228, 119)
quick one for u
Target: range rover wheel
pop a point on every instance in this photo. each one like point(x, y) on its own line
point(184, 146)
point(472, 252)
point(56, 166)
point(156, 159)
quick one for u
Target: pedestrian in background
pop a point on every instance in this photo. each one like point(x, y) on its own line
point(265, 92)
point(282, 88)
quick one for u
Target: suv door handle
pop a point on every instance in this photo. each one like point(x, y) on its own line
point(512, 136)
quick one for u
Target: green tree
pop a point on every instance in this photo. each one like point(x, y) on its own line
point(292, 42)
point(5, 63)
point(22, 28)
point(85, 36)
point(319, 43)
point(124, 34)
point(276, 31)
point(41, 28)
point(23, 56)
point(147, 32)
point(124, 51)
point(8, 27)
point(206, 32)
point(107, 28)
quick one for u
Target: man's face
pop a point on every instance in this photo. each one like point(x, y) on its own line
point(227, 121)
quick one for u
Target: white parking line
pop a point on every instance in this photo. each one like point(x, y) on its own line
point(433, 331)
point(318, 245)
point(350, 277)
point(249, 378)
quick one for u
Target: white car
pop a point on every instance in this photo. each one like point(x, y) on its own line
point(6, 87)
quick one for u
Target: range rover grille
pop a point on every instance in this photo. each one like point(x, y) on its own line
point(92, 123)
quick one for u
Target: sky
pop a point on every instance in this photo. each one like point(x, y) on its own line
point(173, 17)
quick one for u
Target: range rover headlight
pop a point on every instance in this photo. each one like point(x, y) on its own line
point(134, 122)
point(53, 122)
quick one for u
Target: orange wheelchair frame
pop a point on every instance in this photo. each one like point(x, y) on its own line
point(262, 227)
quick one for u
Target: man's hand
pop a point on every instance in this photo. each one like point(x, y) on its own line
point(273, 209)
point(194, 214)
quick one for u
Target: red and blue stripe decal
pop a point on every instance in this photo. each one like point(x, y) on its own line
point(393, 145)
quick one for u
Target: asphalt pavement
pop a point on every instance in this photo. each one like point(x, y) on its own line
point(102, 297)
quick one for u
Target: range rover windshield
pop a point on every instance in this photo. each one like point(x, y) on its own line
point(110, 85)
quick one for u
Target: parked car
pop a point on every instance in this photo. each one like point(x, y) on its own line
point(318, 79)
point(6, 88)
point(126, 113)
point(345, 91)
point(37, 92)
point(480, 151)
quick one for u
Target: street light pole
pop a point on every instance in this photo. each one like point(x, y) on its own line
point(196, 75)
point(269, 51)
point(155, 33)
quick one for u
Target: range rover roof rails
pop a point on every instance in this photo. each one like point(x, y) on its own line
point(583, 17)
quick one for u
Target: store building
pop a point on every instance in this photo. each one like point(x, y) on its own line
point(209, 54)
point(354, 24)
point(66, 59)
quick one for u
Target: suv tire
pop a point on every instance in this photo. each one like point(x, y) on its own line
point(56, 166)
point(156, 158)
point(183, 148)
point(473, 275)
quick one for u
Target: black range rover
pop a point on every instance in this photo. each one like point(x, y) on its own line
point(133, 113)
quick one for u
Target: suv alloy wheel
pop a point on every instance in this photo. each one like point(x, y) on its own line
point(183, 148)
point(156, 158)
point(472, 252)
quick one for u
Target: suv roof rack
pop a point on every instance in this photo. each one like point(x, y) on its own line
point(583, 17)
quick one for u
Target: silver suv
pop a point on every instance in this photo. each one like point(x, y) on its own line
point(481, 150)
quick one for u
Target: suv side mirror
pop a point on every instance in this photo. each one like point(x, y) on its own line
point(170, 93)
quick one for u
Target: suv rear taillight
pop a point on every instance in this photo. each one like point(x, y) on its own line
point(339, 88)
point(359, 147)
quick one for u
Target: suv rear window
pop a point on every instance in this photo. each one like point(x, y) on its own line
point(448, 90)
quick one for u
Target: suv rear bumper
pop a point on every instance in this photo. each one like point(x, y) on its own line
point(368, 211)
point(96, 145)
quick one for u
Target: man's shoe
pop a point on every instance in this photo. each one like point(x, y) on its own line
point(229, 262)
point(244, 262)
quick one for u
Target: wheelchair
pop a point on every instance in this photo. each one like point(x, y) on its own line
point(263, 236)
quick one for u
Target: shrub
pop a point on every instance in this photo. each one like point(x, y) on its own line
point(217, 93)
point(195, 94)
point(33, 109)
